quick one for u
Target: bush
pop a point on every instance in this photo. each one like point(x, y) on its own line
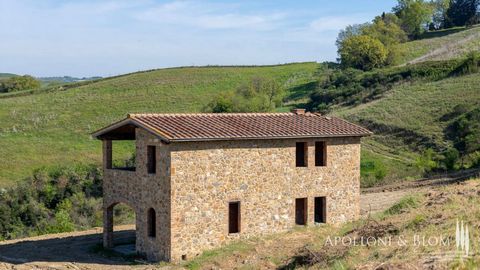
point(259, 95)
point(372, 172)
point(451, 157)
point(18, 83)
point(52, 200)
point(404, 204)
point(427, 161)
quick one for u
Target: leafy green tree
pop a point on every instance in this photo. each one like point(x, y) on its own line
point(414, 15)
point(387, 29)
point(463, 12)
point(348, 32)
point(363, 52)
point(18, 83)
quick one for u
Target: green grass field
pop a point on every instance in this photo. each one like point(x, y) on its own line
point(53, 127)
point(419, 107)
point(455, 43)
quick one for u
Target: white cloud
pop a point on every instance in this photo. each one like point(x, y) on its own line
point(208, 16)
point(335, 23)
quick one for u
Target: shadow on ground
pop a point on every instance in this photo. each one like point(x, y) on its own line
point(76, 249)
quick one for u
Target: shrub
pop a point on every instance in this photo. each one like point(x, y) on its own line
point(451, 157)
point(404, 204)
point(372, 172)
point(18, 83)
point(259, 95)
point(427, 161)
point(58, 199)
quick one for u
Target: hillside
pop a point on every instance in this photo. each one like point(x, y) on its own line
point(6, 75)
point(411, 118)
point(52, 127)
point(441, 45)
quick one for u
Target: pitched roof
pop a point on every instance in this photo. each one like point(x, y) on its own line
point(236, 126)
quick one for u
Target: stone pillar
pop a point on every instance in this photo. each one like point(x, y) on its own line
point(107, 154)
point(108, 227)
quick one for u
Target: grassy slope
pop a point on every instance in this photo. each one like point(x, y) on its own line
point(456, 43)
point(417, 108)
point(49, 128)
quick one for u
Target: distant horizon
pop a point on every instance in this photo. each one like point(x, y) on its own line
point(56, 38)
point(174, 67)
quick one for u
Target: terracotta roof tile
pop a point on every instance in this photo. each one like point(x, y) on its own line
point(232, 126)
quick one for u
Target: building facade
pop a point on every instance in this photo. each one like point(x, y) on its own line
point(201, 180)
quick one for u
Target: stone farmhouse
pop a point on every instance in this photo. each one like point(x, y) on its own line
point(202, 180)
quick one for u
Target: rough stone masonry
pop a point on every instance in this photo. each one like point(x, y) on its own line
point(203, 180)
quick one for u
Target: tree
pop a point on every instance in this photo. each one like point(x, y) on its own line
point(462, 12)
point(362, 52)
point(439, 16)
point(414, 15)
point(348, 32)
point(386, 28)
point(18, 83)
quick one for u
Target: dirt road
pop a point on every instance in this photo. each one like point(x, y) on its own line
point(75, 250)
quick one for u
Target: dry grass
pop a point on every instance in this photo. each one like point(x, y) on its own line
point(430, 215)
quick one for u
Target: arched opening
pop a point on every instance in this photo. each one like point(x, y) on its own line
point(151, 223)
point(120, 229)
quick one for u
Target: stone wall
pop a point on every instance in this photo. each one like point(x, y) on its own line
point(195, 181)
point(142, 191)
point(262, 175)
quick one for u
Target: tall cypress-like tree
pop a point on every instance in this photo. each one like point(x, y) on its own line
point(462, 12)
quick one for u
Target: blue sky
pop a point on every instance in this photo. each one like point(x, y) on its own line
point(88, 38)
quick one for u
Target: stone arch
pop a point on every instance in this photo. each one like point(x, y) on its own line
point(108, 222)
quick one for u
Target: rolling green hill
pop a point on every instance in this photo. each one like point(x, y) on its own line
point(441, 45)
point(6, 75)
point(52, 127)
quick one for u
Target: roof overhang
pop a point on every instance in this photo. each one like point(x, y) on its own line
point(125, 130)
